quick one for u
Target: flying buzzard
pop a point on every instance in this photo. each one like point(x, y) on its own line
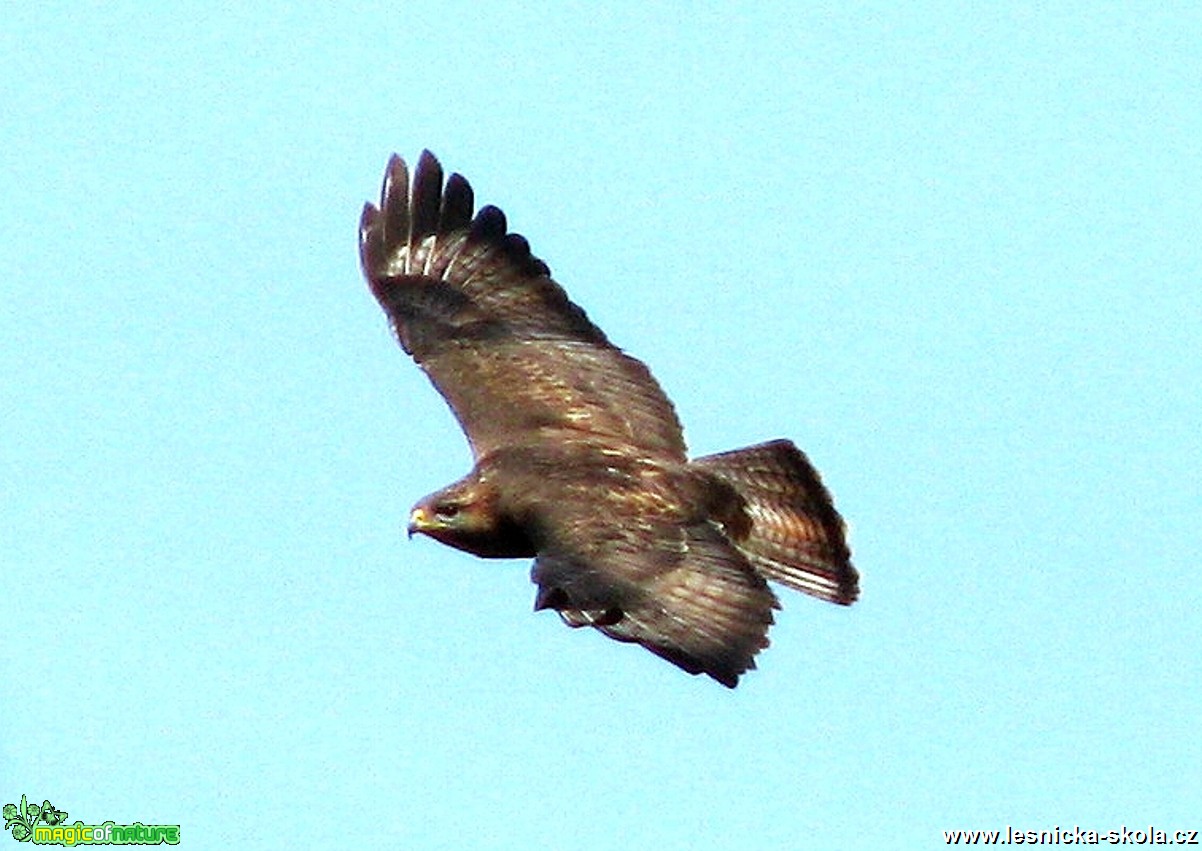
point(580, 460)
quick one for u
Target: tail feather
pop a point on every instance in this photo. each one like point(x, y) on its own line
point(796, 536)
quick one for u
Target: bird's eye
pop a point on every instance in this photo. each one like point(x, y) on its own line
point(447, 511)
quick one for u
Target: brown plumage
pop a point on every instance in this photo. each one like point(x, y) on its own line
point(580, 459)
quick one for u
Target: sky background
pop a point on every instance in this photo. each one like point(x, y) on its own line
point(952, 252)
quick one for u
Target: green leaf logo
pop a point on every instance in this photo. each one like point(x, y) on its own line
point(21, 820)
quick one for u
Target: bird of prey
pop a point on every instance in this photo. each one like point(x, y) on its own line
point(580, 460)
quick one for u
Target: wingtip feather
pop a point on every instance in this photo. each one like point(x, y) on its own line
point(489, 225)
point(367, 233)
point(457, 202)
point(394, 203)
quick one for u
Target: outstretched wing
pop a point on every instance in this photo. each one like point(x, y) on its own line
point(514, 358)
point(626, 548)
point(688, 596)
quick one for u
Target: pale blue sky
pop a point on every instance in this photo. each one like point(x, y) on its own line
point(952, 252)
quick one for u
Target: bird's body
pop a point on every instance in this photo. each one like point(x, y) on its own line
point(580, 458)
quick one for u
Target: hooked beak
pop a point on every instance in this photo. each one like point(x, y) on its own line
point(419, 521)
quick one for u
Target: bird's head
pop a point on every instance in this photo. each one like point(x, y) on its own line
point(452, 512)
point(466, 516)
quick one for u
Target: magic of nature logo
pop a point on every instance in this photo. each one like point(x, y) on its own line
point(44, 824)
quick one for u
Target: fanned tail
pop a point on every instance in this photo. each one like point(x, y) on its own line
point(796, 536)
